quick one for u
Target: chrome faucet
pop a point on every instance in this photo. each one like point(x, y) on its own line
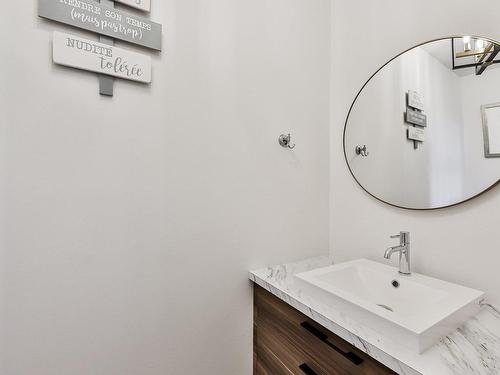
point(404, 252)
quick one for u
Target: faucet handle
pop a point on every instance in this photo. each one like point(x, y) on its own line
point(404, 237)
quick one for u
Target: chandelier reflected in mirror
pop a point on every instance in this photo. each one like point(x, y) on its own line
point(474, 53)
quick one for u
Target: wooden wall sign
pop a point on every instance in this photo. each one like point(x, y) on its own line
point(106, 83)
point(144, 5)
point(416, 134)
point(415, 101)
point(103, 19)
point(80, 53)
point(415, 117)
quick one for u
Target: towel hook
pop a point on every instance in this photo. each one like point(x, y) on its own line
point(362, 151)
point(285, 141)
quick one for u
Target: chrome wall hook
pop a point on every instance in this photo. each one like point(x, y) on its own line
point(285, 141)
point(362, 151)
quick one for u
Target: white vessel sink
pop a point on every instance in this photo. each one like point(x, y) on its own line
point(414, 311)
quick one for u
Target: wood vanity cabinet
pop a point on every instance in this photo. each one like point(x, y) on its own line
point(286, 342)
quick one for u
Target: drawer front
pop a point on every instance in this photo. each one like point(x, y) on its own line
point(290, 351)
point(283, 330)
point(268, 363)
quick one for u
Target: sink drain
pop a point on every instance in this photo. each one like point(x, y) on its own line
point(385, 307)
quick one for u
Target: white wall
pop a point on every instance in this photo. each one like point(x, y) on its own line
point(128, 224)
point(459, 244)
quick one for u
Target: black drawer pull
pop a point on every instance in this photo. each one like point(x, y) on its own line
point(307, 370)
point(320, 335)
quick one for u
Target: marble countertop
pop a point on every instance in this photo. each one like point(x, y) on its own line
point(473, 349)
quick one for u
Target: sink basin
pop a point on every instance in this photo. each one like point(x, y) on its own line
point(414, 311)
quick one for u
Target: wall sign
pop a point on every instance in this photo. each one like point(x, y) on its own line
point(80, 53)
point(144, 5)
point(106, 83)
point(416, 134)
point(415, 101)
point(103, 19)
point(415, 117)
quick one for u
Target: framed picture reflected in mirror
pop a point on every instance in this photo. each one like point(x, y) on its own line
point(491, 130)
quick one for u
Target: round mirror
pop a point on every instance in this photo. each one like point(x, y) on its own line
point(424, 131)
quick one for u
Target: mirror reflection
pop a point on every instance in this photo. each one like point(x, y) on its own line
point(424, 131)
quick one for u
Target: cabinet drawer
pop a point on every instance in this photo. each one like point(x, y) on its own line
point(295, 339)
point(269, 363)
point(291, 354)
